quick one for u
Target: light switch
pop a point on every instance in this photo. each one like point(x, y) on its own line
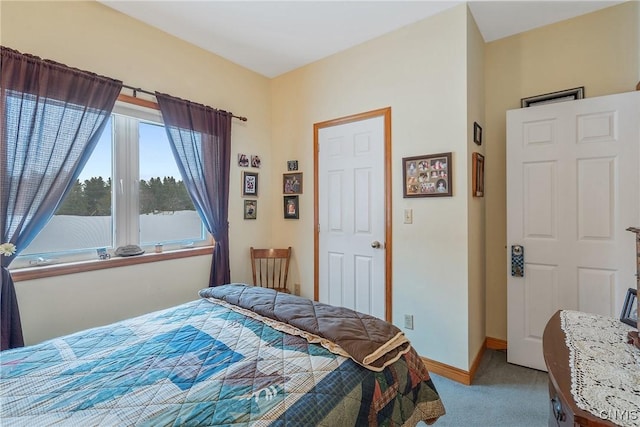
point(408, 216)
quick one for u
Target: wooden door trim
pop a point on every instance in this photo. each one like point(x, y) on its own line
point(386, 114)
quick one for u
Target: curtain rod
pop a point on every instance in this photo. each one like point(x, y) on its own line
point(137, 89)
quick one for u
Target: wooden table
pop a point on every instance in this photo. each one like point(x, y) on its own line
point(564, 411)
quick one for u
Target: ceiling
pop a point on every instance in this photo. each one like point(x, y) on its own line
point(274, 37)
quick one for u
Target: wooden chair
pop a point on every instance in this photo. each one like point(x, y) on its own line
point(271, 268)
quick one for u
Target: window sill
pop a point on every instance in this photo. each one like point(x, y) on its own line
point(41, 272)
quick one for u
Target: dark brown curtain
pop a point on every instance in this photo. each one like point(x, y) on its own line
point(51, 117)
point(200, 139)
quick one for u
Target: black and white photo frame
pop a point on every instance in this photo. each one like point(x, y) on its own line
point(292, 165)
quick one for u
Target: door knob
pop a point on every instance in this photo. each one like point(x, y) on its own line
point(375, 244)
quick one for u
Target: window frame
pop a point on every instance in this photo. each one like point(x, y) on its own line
point(127, 114)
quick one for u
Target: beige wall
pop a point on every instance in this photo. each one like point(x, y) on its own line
point(404, 70)
point(476, 211)
point(599, 51)
point(93, 37)
point(64, 304)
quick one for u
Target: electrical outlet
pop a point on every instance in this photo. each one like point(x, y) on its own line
point(296, 289)
point(408, 321)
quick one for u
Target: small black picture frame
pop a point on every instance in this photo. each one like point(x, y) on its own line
point(553, 97)
point(292, 165)
point(629, 313)
point(291, 207)
point(477, 133)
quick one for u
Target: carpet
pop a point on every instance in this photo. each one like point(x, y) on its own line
point(502, 394)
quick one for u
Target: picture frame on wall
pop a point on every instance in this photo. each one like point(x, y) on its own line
point(292, 183)
point(292, 165)
point(427, 176)
point(629, 313)
point(249, 184)
point(553, 97)
point(243, 160)
point(291, 207)
point(250, 209)
point(477, 133)
point(477, 177)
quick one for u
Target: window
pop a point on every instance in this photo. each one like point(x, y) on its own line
point(129, 192)
point(166, 211)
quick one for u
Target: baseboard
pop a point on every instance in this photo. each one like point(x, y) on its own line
point(495, 344)
point(460, 375)
point(454, 374)
point(476, 362)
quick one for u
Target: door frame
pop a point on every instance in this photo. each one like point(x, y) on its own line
point(386, 114)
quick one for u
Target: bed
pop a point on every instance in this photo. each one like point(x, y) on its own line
point(238, 355)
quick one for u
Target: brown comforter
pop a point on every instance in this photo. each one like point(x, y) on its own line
point(371, 342)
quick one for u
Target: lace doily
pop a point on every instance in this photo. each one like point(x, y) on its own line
point(605, 370)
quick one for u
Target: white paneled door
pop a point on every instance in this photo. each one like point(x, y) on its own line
point(572, 189)
point(351, 215)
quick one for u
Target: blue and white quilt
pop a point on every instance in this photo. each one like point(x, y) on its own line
point(203, 364)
